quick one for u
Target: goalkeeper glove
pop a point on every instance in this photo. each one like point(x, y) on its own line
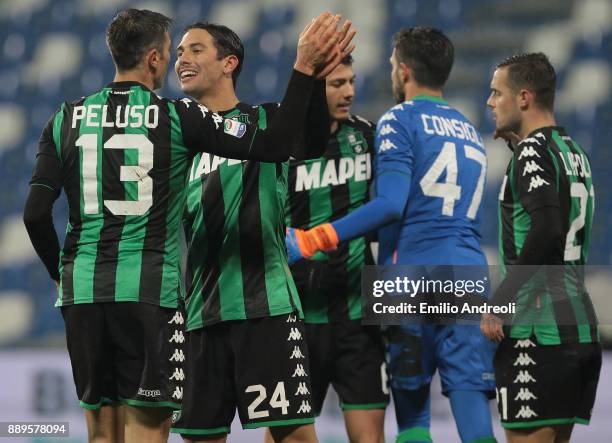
point(304, 244)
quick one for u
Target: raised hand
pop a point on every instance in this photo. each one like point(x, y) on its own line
point(340, 50)
point(316, 44)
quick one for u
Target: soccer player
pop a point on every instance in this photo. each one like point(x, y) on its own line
point(341, 351)
point(240, 293)
point(429, 176)
point(548, 360)
point(122, 157)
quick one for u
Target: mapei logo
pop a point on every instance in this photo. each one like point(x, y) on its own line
point(209, 163)
point(235, 128)
point(536, 182)
point(528, 151)
point(333, 172)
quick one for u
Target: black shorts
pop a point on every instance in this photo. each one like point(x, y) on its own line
point(259, 366)
point(127, 352)
point(545, 385)
point(351, 357)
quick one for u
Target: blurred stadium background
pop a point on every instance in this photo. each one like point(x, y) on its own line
point(54, 50)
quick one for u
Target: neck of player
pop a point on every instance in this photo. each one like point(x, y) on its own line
point(535, 119)
point(412, 90)
point(218, 99)
point(135, 75)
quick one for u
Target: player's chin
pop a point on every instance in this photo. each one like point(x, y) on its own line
point(341, 113)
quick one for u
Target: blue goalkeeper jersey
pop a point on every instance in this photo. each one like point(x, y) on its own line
point(444, 157)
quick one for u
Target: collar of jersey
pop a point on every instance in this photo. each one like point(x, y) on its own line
point(126, 84)
point(429, 98)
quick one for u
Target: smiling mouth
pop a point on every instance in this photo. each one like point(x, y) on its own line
point(187, 74)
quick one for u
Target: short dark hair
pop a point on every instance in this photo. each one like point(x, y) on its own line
point(226, 41)
point(132, 32)
point(534, 72)
point(428, 52)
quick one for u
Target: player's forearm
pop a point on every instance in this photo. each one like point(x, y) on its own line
point(545, 234)
point(38, 219)
point(284, 130)
point(318, 122)
point(386, 207)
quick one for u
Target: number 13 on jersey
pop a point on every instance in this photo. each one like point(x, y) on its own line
point(137, 173)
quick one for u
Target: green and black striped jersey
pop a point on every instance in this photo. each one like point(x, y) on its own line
point(122, 156)
point(548, 168)
point(323, 190)
point(234, 224)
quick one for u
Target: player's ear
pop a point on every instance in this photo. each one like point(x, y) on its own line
point(231, 63)
point(405, 73)
point(153, 59)
point(525, 98)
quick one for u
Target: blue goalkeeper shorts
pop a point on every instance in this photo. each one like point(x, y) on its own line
point(460, 353)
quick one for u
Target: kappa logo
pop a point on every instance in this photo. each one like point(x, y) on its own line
point(386, 130)
point(526, 412)
point(203, 109)
point(178, 356)
point(177, 319)
point(523, 344)
point(149, 392)
point(388, 116)
point(524, 377)
point(178, 393)
point(291, 318)
point(386, 145)
point(523, 359)
point(297, 353)
point(536, 182)
point(178, 375)
point(305, 407)
point(528, 151)
point(294, 334)
point(302, 389)
point(525, 394)
point(218, 120)
point(178, 337)
point(299, 371)
point(531, 167)
point(187, 102)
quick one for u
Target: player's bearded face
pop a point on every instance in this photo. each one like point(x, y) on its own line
point(503, 103)
point(198, 66)
point(340, 90)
